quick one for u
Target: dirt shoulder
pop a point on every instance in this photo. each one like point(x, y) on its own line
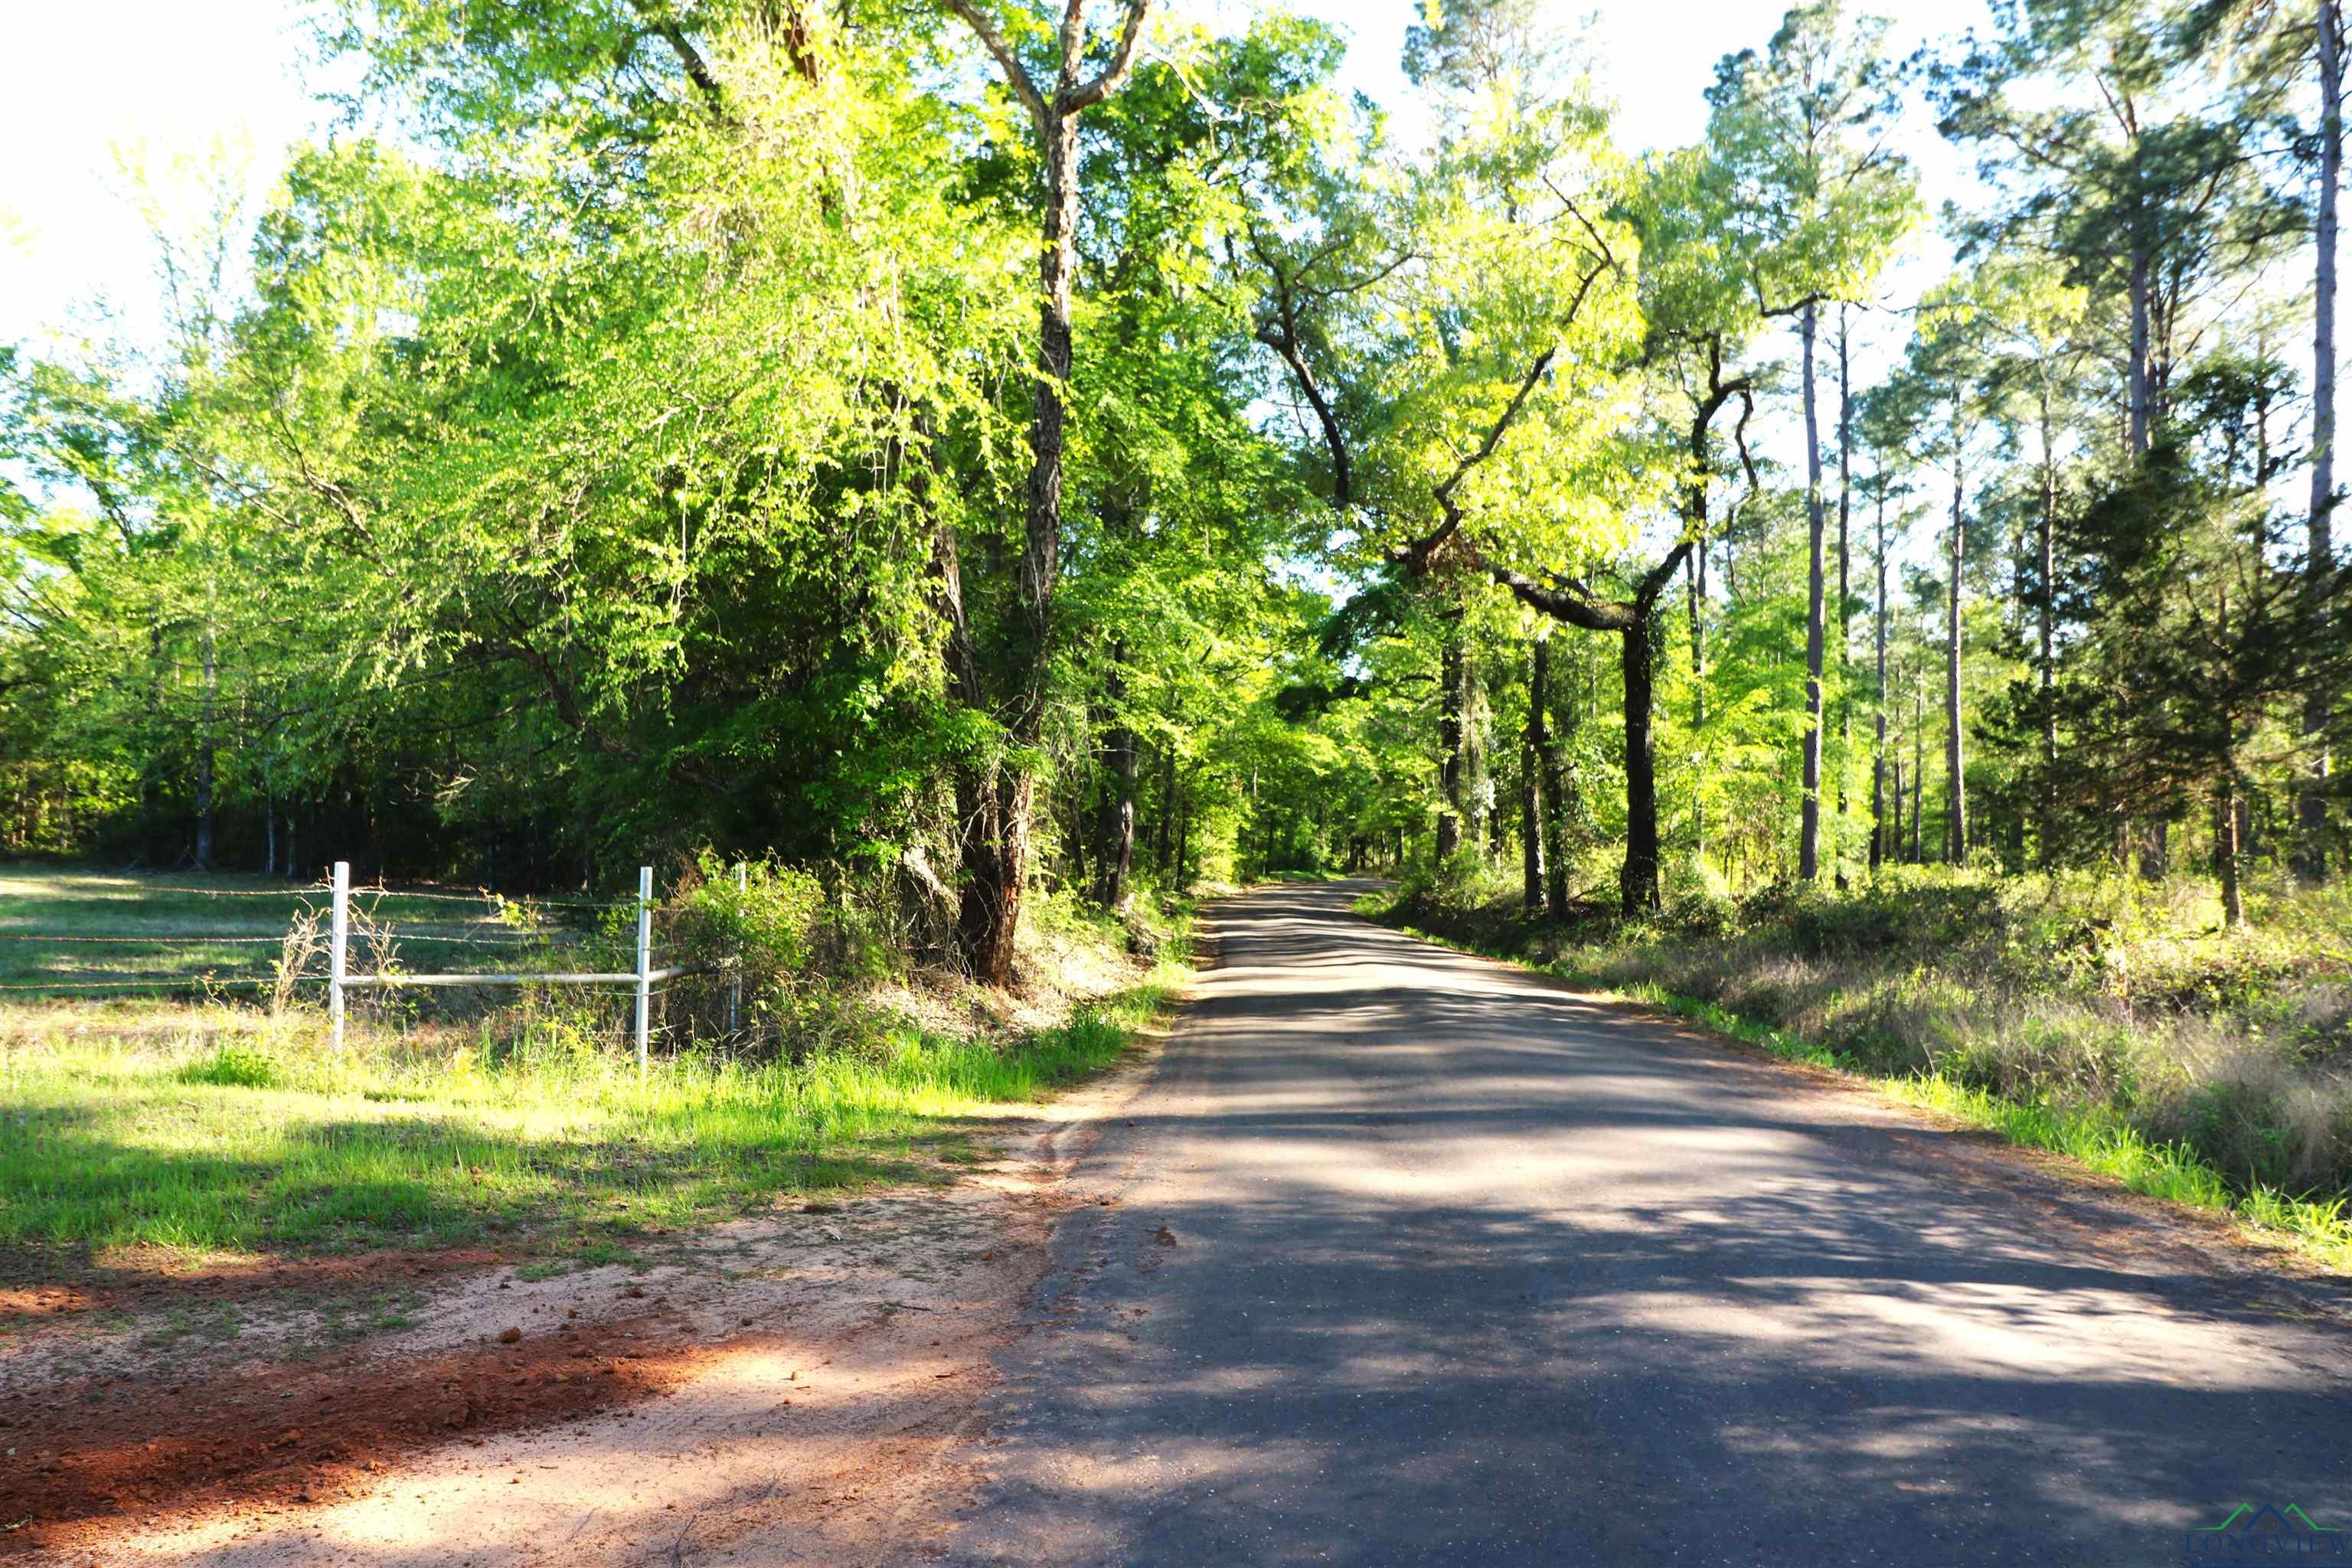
point(791, 1387)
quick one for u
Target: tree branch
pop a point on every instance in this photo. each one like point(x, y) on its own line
point(1122, 60)
point(1655, 583)
point(1415, 557)
point(1016, 75)
point(698, 69)
point(1566, 602)
point(1281, 342)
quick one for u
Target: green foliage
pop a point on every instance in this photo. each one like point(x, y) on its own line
point(232, 1067)
point(1816, 199)
point(766, 917)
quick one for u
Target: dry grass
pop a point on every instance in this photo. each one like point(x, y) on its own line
point(2115, 997)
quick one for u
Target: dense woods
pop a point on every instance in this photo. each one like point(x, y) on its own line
point(979, 449)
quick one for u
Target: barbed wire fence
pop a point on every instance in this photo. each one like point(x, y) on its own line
point(344, 940)
point(208, 979)
point(642, 976)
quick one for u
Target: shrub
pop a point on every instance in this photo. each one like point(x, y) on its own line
point(2236, 1125)
point(233, 1066)
point(751, 943)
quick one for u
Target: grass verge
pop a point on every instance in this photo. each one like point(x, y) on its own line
point(2089, 1135)
point(241, 1133)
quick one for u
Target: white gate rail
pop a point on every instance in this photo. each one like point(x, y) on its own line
point(642, 976)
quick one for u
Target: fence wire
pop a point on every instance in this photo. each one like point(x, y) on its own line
point(482, 896)
point(381, 928)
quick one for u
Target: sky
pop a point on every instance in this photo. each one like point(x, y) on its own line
point(189, 80)
point(181, 78)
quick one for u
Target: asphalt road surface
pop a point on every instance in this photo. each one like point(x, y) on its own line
point(1412, 1258)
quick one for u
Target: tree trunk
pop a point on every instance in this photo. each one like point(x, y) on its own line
point(1809, 839)
point(2311, 802)
point(1698, 681)
point(2047, 829)
point(1638, 884)
point(1918, 773)
point(1077, 831)
point(2137, 380)
point(1115, 854)
point(993, 805)
point(151, 783)
point(204, 757)
point(1554, 786)
point(1184, 835)
point(1453, 677)
point(998, 813)
point(1531, 859)
point(2231, 854)
point(1167, 808)
point(997, 794)
point(1636, 624)
point(1878, 840)
point(1954, 787)
point(1894, 833)
point(1845, 582)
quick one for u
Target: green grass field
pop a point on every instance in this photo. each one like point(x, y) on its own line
point(204, 1127)
point(78, 933)
point(267, 1143)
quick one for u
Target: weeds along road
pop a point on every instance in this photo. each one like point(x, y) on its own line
point(1411, 1257)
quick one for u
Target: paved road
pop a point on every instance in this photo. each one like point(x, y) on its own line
point(1466, 1268)
point(1414, 1259)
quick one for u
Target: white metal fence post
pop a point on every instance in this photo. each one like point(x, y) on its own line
point(735, 988)
point(645, 959)
point(339, 944)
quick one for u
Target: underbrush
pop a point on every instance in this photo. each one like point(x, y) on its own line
point(781, 961)
point(217, 1128)
point(2105, 1019)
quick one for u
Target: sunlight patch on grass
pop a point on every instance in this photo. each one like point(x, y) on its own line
point(270, 1143)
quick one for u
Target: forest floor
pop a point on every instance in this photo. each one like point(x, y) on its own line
point(816, 1364)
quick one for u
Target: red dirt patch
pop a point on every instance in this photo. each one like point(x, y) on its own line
point(87, 1457)
point(28, 1303)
